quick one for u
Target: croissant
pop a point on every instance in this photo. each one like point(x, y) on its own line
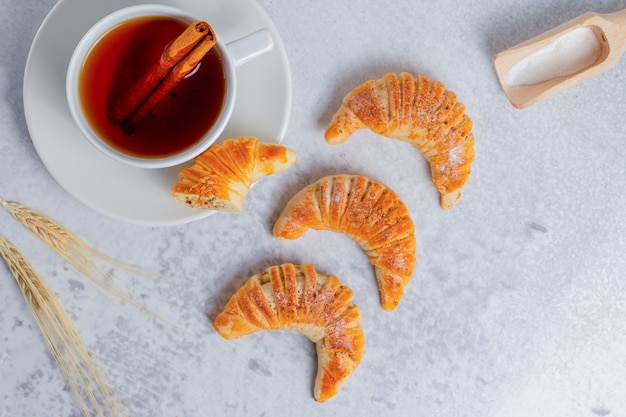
point(368, 212)
point(298, 298)
point(220, 178)
point(418, 111)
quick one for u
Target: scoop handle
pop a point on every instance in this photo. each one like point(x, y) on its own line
point(619, 18)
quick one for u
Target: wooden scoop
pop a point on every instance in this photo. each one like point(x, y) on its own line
point(610, 32)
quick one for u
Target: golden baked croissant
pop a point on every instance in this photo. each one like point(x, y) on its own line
point(220, 178)
point(368, 212)
point(298, 298)
point(418, 111)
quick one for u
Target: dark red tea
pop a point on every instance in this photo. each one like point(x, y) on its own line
point(121, 57)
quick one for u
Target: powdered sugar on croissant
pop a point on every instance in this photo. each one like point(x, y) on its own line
point(221, 177)
point(298, 298)
point(418, 111)
point(368, 212)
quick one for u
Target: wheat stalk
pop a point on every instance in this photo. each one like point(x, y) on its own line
point(78, 253)
point(78, 367)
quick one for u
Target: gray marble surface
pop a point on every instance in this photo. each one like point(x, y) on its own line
point(518, 301)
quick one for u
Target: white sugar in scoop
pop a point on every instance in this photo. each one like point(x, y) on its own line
point(567, 55)
point(564, 56)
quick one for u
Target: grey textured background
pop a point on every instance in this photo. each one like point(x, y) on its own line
point(518, 302)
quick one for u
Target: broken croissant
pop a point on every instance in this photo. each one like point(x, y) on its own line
point(220, 178)
point(298, 298)
point(368, 212)
point(418, 111)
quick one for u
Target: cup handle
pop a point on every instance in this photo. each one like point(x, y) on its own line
point(250, 46)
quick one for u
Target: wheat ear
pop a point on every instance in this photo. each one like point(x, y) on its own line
point(77, 253)
point(76, 363)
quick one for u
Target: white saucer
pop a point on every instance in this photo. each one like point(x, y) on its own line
point(135, 195)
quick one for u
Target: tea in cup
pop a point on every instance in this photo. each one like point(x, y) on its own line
point(177, 116)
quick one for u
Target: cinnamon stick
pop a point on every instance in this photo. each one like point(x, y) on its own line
point(180, 71)
point(143, 88)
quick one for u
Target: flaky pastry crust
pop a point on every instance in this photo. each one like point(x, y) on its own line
point(220, 178)
point(419, 111)
point(298, 298)
point(368, 212)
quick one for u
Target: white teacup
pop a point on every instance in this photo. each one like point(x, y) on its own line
point(233, 54)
